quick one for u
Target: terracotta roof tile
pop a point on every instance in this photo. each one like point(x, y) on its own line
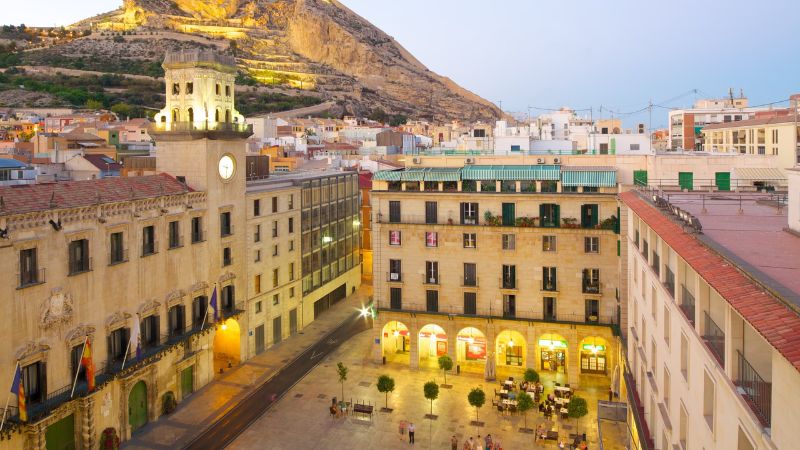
point(74, 194)
point(772, 319)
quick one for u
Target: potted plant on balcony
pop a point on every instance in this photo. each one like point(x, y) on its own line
point(492, 220)
point(570, 222)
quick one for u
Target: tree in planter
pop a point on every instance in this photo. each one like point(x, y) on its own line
point(341, 369)
point(531, 376)
point(577, 408)
point(445, 363)
point(386, 385)
point(524, 404)
point(431, 390)
point(476, 398)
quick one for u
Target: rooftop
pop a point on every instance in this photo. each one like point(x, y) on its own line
point(75, 194)
point(751, 122)
point(285, 179)
point(747, 258)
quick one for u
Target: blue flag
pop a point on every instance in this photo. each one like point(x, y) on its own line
point(214, 304)
point(15, 383)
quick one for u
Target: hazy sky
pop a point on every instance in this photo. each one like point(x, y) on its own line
point(581, 53)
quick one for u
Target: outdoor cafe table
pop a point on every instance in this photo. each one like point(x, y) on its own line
point(510, 402)
point(563, 389)
point(508, 383)
point(562, 401)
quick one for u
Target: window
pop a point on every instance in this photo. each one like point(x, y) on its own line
point(79, 256)
point(549, 215)
point(469, 240)
point(28, 268)
point(118, 344)
point(432, 301)
point(291, 224)
point(257, 284)
point(259, 307)
point(274, 205)
point(291, 271)
point(470, 274)
point(431, 212)
point(549, 308)
point(592, 310)
point(189, 88)
point(469, 213)
point(274, 228)
point(228, 298)
point(291, 201)
point(470, 303)
point(275, 250)
point(257, 234)
point(743, 442)
point(291, 245)
point(257, 257)
point(509, 277)
point(548, 243)
point(431, 239)
point(276, 300)
point(227, 258)
point(216, 89)
point(666, 325)
point(509, 215)
point(176, 88)
point(591, 281)
point(150, 332)
point(197, 230)
point(394, 211)
point(708, 399)
point(148, 240)
point(174, 234)
point(256, 207)
point(291, 292)
point(75, 362)
point(684, 357)
point(177, 320)
point(634, 147)
point(34, 382)
point(199, 311)
point(394, 238)
point(275, 278)
point(395, 298)
point(591, 244)
point(116, 247)
point(395, 270)
point(667, 383)
point(431, 272)
point(509, 242)
point(227, 91)
point(225, 227)
point(549, 279)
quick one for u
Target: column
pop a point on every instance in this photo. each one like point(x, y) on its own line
point(377, 343)
point(459, 184)
point(573, 361)
point(36, 438)
point(530, 348)
point(414, 339)
point(518, 187)
point(538, 186)
point(87, 423)
point(452, 332)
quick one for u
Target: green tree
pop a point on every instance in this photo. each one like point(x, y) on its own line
point(341, 370)
point(524, 404)
point(398, 120)
point(121, 109)
point(531, 376)
point(431, 390)
point(445, 363)
point(386, 385)
point(577, 408)
point(94, 104)
point(476, 398)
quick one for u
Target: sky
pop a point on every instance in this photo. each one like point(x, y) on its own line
point(612, 56)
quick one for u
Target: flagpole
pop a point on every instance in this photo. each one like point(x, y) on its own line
point(205, 318)
point(8, 399)
point(78, 369)
point(125, 358)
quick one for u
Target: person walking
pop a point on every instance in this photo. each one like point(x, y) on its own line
point(454, 443)
point(478, 443)
point(411, 430)
point(488, 441)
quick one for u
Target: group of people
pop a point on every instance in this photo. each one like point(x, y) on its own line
point(471, 443)
point(579, 443)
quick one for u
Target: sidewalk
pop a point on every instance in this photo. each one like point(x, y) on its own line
point(215, 399)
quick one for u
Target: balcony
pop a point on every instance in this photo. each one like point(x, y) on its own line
point(118, 257)
point(756, 391)
point(31, 278)
point(81, 266)
point(714, 338)
point(549, 285)
point(591, 287)
point(687, 304)
point(492, 312)
point(181, 131)
point(669, 281)
point(470, 281)
point(394, 277)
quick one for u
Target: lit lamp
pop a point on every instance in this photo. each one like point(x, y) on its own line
point(396, 333)
point(471, 340)
point(327, 239)
point(511, 342)
point(356, 223)
point(224, 326)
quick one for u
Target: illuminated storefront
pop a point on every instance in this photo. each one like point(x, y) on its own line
point(510, 349)
point(553, 351)
point(396, 341)
point(432, 342)
point(470, 345)
point(593, 356)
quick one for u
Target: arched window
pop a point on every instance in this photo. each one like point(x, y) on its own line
point(217, 89)
point(175, 115)
point(163, 119)
point(190, 112)
point(227, 116)
point(216, 115)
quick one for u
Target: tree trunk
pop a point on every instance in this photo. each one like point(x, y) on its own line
point(445, 376)
point(431, 407)
point(387, 400)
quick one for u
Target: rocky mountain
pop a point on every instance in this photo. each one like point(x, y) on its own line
point(319, 47)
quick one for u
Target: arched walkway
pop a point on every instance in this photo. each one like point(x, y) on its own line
point(396, 342)
point(227, 345)
point(471, 350)
point(190, 114)
point(137, 406)
point(593, 356)
point(510, 346)
point(552, 353)
point(432, 345)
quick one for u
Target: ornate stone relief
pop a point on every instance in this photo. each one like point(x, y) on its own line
point(199, 286)
point(32, 349)
point(148, 307)
point(226, 276)
point(175, 297)
point(117, 320)
point(56, 310)
point(79, 332)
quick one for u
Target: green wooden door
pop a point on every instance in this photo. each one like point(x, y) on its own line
point(187, 381)
point(61, 435)
point(589, 216)
point(723, 181)
point(137, 406)
point(640, 177)
point(686, 180)
point(509, 217)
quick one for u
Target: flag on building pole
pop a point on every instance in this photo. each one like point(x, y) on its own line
point(18, 388)
point(136, 338)
point(214, 304)
point(88, 364)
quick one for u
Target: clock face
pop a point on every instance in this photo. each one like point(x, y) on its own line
point(226, 167)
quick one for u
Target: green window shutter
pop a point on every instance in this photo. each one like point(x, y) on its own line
point(557, 214)
point(508, 215)
point(619, 249)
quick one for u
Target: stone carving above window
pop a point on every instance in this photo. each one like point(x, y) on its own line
point(117, 320)
point(226, 276)
point(199, 286)
point(57, 309)
point(148, 308)
point(32, 351)
point(175, 297)
point(79, 332)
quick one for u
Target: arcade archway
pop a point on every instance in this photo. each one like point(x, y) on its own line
point(510, 346)
point(396, 342)
point(432, 345)
point(227, 345)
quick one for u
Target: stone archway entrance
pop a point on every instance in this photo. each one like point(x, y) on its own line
point(432, 344)
point(471, 350)
point(137, 406)
point(511, 348)
point(227, 345)
point(396, 342)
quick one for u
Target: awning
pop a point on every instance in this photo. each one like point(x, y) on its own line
point(589, 177)
point(511, 173)
point(760, 174)
point(387, 175)
point(412, 175)
point(443, 174)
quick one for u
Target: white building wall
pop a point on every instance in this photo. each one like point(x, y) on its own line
point(794, 198)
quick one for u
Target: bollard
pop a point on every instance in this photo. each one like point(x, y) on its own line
point(384, 360)
point(458, 369)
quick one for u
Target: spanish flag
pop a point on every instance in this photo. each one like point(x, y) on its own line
point(88, 364)
point(19, 389)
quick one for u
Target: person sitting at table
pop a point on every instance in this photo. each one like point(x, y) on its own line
point(524, 386)
point(512, 396)
point(551, 398)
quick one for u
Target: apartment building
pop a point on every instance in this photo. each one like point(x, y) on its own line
point(516, 263)
point(712, 346)
point(776, 133)
point(686, 125)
